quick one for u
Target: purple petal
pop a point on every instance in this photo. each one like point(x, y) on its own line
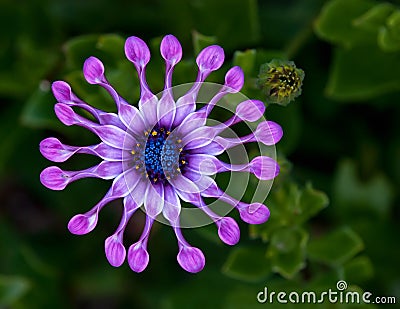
point(171, 49)
point(255, 213)
point(110, 119)
point(250, 110)
point(191, 259)
point(234, 79)
point(93, 70)
point(53, 150)
point(65, 113)
point(139, 192)
point(183, 184)
point(185, 105)
point(54, 178)
point(62, 92)
point(115, 250)
point(106, 170)
point(191, 122)
point(214, 148)
point(268, 132)
point(132, 119)
point(124, 183)
point(166, 110)
point(129, 208)
point(198, 137)
point(115, 137)
point(210, 58)
point(83, 224)
point(154, 200)
point(203, 163)
point(264, 168)
point(172, 205)
point(228, 231)
point(148, 107)
point(136, 51)
point(104, 151)
point(202, 181)
point(138, 257)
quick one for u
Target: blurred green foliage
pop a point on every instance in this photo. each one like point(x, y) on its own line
point(340, 149)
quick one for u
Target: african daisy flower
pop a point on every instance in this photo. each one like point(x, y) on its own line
point(160, 153)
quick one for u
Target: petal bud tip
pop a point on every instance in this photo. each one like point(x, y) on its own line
point(138, 257)
point(115, 251)
point(228, 231)
point(82, 224)
point(191, 259)
point(93, 70)
point(137, 51)
point(171, 49)
point(210, 58)
point(234, 79)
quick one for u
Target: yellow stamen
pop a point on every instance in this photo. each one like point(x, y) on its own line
point(154, 133)
point(133, 152)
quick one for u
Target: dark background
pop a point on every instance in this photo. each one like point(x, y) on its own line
point(341, 136)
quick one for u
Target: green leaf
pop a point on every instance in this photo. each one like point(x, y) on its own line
point(112, 44)
point(354, 196)
point(290, 206)
point(78, 49)
point(246, 60)
point(310, 203)
point(12, 288)
point(287, 251)
point(109, 48)
point(38, 111)
point(336, 247)
point(387, 41)
point(358, 270)
point(201, 41)
point(247, 264)
point(92, 94)
point(335, 23)
point(389, 35)
point(374, 18)
point(363, 73)
point(393, 23)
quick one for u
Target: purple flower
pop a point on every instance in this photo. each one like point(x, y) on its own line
point(160, 153)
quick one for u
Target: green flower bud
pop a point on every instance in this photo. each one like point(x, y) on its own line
point(281, 81)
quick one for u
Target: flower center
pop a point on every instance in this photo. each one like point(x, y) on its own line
point(162, 156)
point(284, 80)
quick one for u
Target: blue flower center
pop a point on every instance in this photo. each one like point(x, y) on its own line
point(162, 157)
